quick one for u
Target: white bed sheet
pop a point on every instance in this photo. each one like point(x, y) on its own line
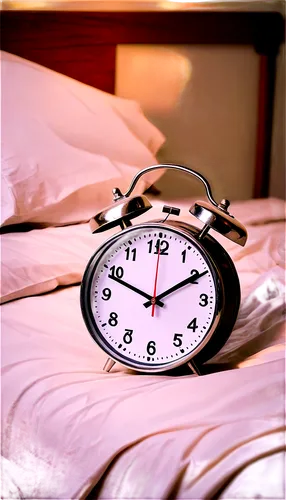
point(66, 424)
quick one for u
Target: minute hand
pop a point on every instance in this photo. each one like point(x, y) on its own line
point(187, 281)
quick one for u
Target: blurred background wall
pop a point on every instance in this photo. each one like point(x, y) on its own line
point(278, 172)
point(204, 99)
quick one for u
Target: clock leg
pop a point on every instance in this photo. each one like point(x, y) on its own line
point(108, 365)
point(192, 365)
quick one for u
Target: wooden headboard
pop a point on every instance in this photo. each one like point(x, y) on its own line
point(82, 45)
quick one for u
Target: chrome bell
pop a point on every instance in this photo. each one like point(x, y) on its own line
point(219, 219)
point(120, 213)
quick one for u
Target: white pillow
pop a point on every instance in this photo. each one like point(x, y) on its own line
point(40, 260)
point(66, 145)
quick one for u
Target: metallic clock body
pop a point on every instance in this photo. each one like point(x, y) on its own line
point(223, 283)
point(226, 304)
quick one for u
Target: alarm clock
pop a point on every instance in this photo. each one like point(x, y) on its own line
point(165, 293)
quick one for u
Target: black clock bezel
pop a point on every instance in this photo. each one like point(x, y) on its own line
point(189, 232)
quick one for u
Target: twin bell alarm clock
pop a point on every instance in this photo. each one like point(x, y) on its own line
point(161, 294)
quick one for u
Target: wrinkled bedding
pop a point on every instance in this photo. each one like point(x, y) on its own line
point(69, 428)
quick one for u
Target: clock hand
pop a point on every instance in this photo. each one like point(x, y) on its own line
point(134, 289)
point(190, 280)
point(153, 300)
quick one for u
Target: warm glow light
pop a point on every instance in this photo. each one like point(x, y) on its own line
point(170, 5)
point(30, 4)
point(154, 76)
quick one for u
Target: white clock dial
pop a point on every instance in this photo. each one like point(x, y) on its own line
point(146, 262)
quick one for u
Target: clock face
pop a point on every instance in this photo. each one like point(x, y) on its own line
point(151, 297)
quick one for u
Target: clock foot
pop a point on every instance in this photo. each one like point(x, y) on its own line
point(108, 365)
point(192, 365)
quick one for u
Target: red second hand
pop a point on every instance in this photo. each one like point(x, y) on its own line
point(153, 300)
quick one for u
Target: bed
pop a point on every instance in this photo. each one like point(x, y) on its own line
point(69, 429)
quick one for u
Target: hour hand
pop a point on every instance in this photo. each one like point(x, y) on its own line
point(135, 289)
point(192, 279)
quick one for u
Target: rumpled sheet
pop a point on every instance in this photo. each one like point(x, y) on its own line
point(68, 427)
